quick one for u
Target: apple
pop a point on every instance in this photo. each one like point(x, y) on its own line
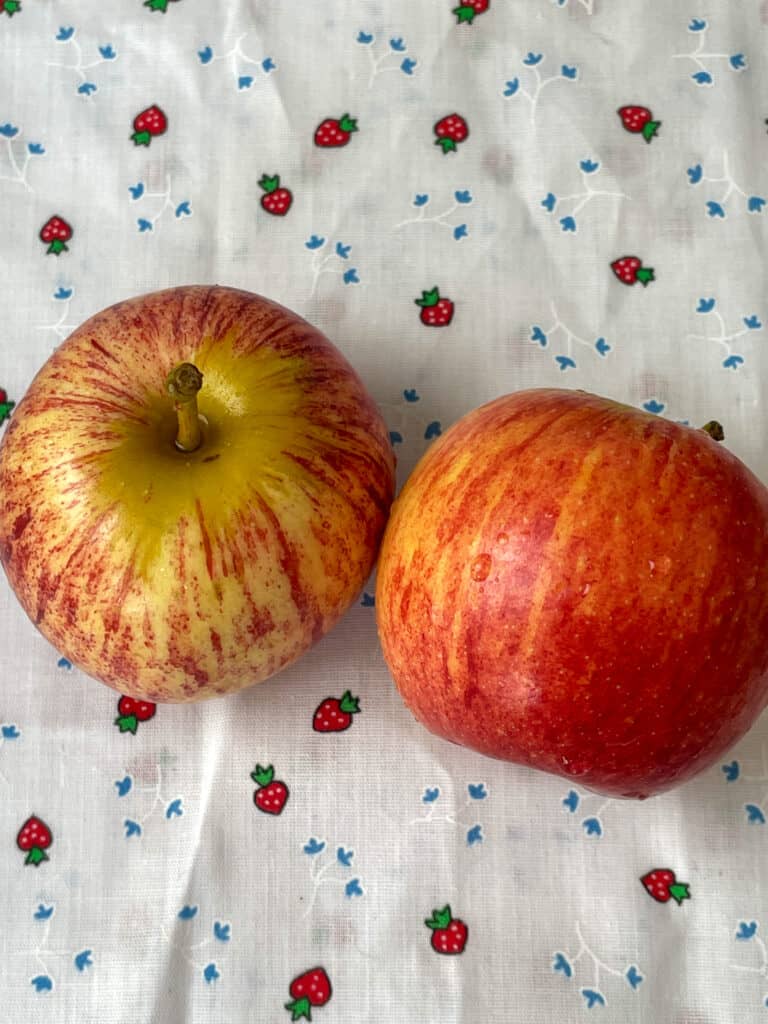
point(572, 584)
point(192, 492)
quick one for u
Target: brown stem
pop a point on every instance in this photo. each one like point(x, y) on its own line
point(715, 430)
point(182, 384)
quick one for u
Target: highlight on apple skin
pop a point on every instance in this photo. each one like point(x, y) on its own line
point(574, 585)
point(173, 574)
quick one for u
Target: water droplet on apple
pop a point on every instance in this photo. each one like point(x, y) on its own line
point(480, 568)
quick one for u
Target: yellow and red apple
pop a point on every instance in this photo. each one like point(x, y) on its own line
point(192, 492)
point(572, 584)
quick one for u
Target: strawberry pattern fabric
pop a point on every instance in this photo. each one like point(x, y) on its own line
point(469, 197)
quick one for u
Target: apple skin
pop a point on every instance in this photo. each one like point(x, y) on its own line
point(571, 584)
point(177, 576)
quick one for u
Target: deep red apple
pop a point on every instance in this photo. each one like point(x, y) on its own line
point(575, 585)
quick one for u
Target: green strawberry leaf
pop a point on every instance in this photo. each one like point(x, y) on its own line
point(263, 776)
point(644, 275)
point(464, 14)
point(649, 129)
point(349, 704)
point(156, 5)
point(348, 124)
point(5, 410)
point(127, 723)
point(440, 919)
point(36, 856)
point(299, 1008)
point(430, 298)
point(269, 184)
point(679, 892)
point(449, 146)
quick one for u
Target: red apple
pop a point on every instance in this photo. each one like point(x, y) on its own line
point(575, 585)
point(178, 554)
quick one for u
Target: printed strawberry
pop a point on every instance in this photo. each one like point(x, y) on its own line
point(449, 935)
point(131, 712)
point(34, 838)
point(335, 132)
point(435, 311)
point(56, 233)
point(310, 989)
point(450, 131)
point(466, 12)
point(5, 405)
point(663, 886)
point(335, 715)
point(271, 796)
point(10, 7)
point(277, 200)
point(148, 124)
point(630, 269)
point(639, 121)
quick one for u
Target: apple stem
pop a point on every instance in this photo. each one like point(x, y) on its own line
point(715, 430)
point(182, 384)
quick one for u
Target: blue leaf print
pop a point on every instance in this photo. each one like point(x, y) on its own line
point(87, 88)
point(633, 976)
point(560, 963)
point(83, 960)
point(463, 196)
point(10, 732)
point(63, 294)
point(353, 888)
point(589, 166)
point(65, 33)
point(221, 931)
point(398, 45)
point(174, 809)
point(702, 78)
point(430, 795)
point(132, 828)
point(460, 232)
point(344, 856)
point(532, 59)
point(421, 199)
point(313, 846)
point(746, 930)
point(549, 201)
point(183, 209)
point(567, 223)
point(365, 38)
point(37, 149)
point(695, 174)
point(64, 663)
point(368, 600)
point(569, 72)
point(752, 322)
point(205, 55)
point(107, 52)
point(715, 209)
point(565, 362)
point(411, 395)
point(145, 225)
point(571, 801)
point(350, 276)
point(731, 771)
point(592, 826)
point(124, 785)
point(342, 251)
point(475, 835)
point(538, 335)
point(477, 791)
point(653, 406)
point(512, 87)
point(754, 814)
point(408, 66)
point(733, 362)
point(737, 61)
point(602, 346)
point(315, 242)
point(137, 190)
point(8, 130)
point(210, 973)
point(755, 204)
point(268, 65)
point(593, 997)
point(43, 913)
point(245, 82)
point(42, 983)
point(187, 913)
point(697, 25)
point(395, 437)
point(705, 306)
point(433, 430)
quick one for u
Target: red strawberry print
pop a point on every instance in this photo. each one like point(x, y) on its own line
point(10, 7)
point(313, 988)
point(276, 200)
point(5, 405)
point(130, 712)
point(449, 935)
point(34, 838)
point(271, 796)
point(334, 715)
point(56, 233)
point(466, 12)
point(335, 132)
point(450, 131)
point(148, 124)
point(630, 269)
point(435, 311)
point(639, 120)
point(662, 885)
